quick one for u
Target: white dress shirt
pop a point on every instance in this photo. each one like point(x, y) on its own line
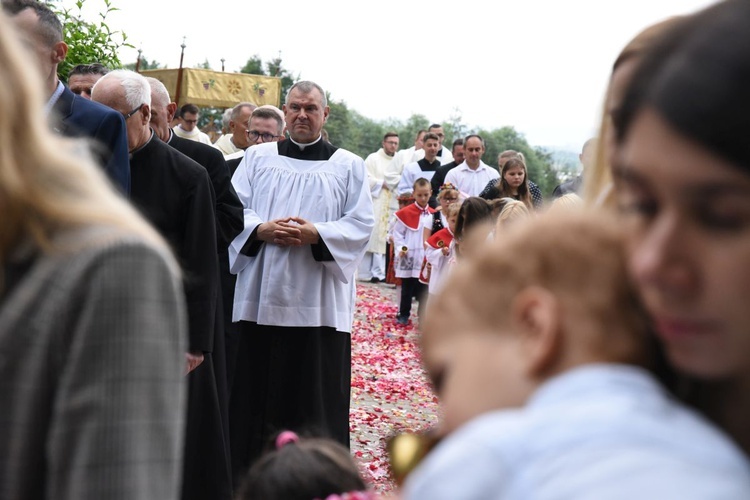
point(471, 182)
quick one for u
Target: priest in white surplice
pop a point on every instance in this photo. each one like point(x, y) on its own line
point(308, 219)
point(384, 202)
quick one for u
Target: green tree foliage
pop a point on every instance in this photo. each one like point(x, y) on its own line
point(538, 162)
point(350, 130)
point(89, 42)
point(204, 65)
point(145, 65)
point(255, 66)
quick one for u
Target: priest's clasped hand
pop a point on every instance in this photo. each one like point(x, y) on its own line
point(291, 231)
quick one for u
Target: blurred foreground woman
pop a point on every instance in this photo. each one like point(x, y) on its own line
point(92, 319)
point(682, 183)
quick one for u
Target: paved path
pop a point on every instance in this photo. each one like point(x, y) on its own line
point(390, 393)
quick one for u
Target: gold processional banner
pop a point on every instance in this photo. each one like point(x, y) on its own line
point(217, 89)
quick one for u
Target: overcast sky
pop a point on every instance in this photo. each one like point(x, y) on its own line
point(540, 66)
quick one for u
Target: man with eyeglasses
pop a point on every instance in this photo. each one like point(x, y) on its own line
point(236, 140)
point(229, 223)
point(266, 124)
point(308, 218)
point(174, 194)
point(70, 115)
point(373, 266)
point(188, 127)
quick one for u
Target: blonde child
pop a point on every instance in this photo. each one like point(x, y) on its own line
point(447, 195)
point(538, 350)
point(438, 249)
point(409, 248)
point(512, 211)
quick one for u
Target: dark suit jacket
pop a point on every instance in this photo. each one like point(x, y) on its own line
point(439, 178)
point(76, 116)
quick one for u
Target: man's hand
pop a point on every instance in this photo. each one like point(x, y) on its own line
point(194, 359)
point(305, 230)
point(288, 232)
point(268, 231)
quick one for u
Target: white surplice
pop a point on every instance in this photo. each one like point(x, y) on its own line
point(286, 286)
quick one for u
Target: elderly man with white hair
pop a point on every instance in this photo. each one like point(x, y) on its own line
point(174, 193)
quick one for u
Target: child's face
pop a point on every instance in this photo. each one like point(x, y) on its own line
point(452, 222)
point(473, 370)
point(422, 195)
point(514, 176)
point(448, 198)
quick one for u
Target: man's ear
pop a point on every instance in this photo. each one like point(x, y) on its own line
point(145, 113)
point(171, 110)
point(536, 316)
point(59, 52)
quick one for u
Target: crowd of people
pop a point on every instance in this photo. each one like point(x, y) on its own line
point(176, 312)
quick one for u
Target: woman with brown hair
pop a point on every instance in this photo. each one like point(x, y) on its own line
point(681, 170)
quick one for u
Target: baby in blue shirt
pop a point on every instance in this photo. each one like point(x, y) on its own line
point(540, 352)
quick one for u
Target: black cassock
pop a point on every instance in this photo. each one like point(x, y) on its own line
point(175, 194)
point(230, 222)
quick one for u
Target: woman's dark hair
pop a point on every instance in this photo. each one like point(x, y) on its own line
point(304, 470)
point(473, 210)
point(697, 77)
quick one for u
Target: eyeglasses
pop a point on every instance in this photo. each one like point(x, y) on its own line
point(392, 143)
point(133, 112)
point(190, 121)
point(264, 137)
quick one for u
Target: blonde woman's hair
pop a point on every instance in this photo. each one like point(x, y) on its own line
point(47, 182)
point(597, 184)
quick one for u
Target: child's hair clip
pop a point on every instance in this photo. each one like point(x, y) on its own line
point(285, 438)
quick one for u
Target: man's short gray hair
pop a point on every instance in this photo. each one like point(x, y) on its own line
point(237, 110)
point(136, 88)
point(158, 88)
point(306, 86)
point(226, 116)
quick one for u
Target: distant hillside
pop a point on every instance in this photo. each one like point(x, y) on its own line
point(564, 162)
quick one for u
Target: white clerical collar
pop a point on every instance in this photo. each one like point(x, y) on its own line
point(171, 134)
point(150, 138)
point(55, 97)
point(302, 146)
